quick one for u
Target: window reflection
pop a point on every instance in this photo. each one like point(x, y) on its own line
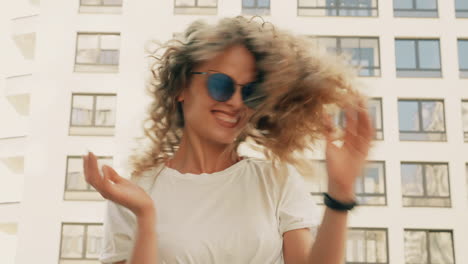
point(418, 58)
point(93, 110)
point(97, 49)
point(363, 52)
point(421, 120)
point(425, 184)
point(429, 246)
point(80, 242)
point(366, 246)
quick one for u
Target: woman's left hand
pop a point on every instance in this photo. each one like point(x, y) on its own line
point(346, 163)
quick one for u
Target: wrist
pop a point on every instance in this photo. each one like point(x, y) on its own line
point(146, 212)
point(341, 193)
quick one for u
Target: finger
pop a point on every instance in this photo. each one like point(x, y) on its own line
point(330, 128)
point(85, 169)
point(113, 175)
point(356, 141)
point(107, 186)
point(351, 125)
point(365, 127)
point(93, 171)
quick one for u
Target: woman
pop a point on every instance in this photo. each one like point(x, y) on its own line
point(192, 198)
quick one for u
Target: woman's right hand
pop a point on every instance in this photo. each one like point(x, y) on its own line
point(116, 188)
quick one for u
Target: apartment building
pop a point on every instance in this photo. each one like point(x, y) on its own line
point(73, 80)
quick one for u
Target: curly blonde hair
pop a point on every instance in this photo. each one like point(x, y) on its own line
point(299, 78)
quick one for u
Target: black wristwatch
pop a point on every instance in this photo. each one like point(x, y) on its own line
point(336, 205)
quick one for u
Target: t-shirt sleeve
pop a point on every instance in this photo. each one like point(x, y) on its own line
point(119, 230)
point(297, 208)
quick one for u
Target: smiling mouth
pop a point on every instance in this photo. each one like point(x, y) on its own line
point(232, 120)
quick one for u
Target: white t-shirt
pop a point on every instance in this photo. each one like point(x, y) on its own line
point(237, 215)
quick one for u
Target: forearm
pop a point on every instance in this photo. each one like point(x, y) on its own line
point(329, 245)
point(330, 241)
point(145, 248)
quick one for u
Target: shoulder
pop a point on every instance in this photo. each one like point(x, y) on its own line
point(147, 178)
point(274, 173)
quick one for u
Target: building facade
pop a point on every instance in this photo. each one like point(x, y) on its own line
point(74, 76)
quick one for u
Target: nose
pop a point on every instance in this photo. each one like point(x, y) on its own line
point(236, 99)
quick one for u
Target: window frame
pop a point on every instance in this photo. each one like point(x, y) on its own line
point(463, 73)
point(85, 239)
point(419, 101)
point(192, 10)
point(321, 183)
point(89, 188)
point(365, 229)
point(337, 9)
point(416, 72)
point(380, 102)
point(96, 67)
point(465, 132)
point(416, 12)
point(94, 95)
point(102, 4)
point(427, 231)
point(424, 185)
point(460, 13)
point(338, 40)
point(256, 10)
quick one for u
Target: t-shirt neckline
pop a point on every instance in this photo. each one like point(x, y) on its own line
point(214, 176)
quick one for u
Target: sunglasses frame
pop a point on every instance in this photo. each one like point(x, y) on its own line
point(246, 101)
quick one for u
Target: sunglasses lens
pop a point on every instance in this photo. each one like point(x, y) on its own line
point(251, 95)
point(220, 87)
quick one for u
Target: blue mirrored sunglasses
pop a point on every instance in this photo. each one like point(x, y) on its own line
point(221, 87)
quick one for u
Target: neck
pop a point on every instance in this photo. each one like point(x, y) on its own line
point(196, 155)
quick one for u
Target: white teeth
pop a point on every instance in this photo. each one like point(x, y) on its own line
point(226, 118)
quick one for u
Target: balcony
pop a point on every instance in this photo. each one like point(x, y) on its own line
point(23, 33)
point(17, 91)
point(11, 147)
point(12, 152)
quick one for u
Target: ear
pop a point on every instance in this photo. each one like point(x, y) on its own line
point(180, 97)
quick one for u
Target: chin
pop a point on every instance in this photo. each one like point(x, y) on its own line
point(224, 139)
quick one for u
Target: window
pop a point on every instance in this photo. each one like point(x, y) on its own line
point(375, 112)
point(418, 58)
point(366, 245)
point(100, 6)
point(421, 120)
point(363, 51)
point(317, 183)
point(81, 243)
point(465, 119)
point(369, 188)
point(425, 184)
point(196, 7)
point(366, 8)
point(429, 246)
point(97, 52)
point(92, 114)
point(256, 7)
point(415, 8)
point(76, 187)
point(463, 57)
point(461, 8)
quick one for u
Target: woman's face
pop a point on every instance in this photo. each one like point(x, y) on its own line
point(210, 120)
